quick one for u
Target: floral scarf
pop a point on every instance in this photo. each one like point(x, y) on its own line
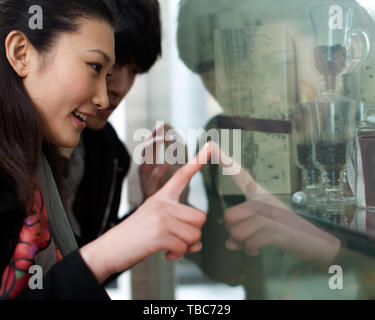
point(34, 238)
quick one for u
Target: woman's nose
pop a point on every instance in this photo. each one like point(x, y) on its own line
point(101, 99)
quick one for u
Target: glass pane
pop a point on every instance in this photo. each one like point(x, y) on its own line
point(293, 82)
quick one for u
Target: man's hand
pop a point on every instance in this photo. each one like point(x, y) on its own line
point(153, 176)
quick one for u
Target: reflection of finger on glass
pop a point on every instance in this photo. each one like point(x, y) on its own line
point(233, 245)
point(242, 177)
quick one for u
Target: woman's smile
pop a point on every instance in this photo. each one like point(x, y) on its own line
point(81, 63)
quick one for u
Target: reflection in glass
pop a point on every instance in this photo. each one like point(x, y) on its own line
point(334, 122)
point(332, 53)
point(244, 70)
point(302, 137)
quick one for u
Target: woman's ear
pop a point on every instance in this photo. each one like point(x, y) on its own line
point(19, 52)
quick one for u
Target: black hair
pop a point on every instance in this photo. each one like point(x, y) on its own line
point(137, 32)
point(21, 139)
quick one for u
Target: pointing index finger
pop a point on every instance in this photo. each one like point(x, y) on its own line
point(179, 181)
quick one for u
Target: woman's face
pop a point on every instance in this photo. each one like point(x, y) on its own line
point(70, 83)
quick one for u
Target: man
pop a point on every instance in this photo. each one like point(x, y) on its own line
point(98, 165)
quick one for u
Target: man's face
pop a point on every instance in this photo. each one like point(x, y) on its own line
point(118, 86)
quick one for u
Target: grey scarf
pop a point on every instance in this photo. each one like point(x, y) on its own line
point(59, 225)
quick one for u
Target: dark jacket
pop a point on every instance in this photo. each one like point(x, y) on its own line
point(98, 198)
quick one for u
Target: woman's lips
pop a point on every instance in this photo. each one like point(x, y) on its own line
point(80, 124)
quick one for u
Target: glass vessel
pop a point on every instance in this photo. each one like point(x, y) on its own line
point(332, 53)
point(334, 123)
point(302, 143)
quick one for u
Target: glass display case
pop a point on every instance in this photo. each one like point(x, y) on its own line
point(296, 78)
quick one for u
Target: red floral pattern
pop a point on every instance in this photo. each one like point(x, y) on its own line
point(34, 237)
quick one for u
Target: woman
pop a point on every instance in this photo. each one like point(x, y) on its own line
point(52, 80)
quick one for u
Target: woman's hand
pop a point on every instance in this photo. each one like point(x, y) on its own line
point(160, 224)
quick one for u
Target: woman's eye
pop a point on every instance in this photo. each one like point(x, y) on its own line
point(96, 66)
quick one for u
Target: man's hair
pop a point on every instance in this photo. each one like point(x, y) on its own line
point(138, 32)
